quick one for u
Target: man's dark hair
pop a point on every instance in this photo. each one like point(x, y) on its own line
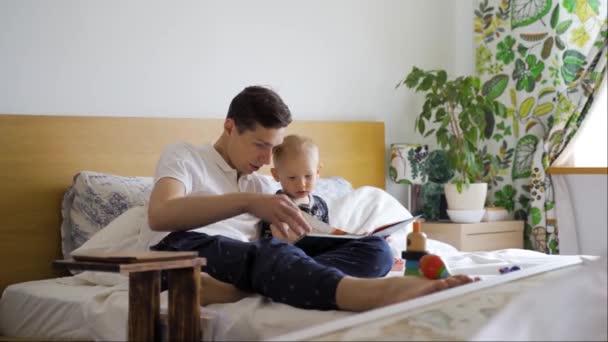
point(258, 105)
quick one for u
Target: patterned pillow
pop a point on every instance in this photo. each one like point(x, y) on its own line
point(94, 200)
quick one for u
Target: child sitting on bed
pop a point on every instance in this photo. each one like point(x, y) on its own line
point(296, 167)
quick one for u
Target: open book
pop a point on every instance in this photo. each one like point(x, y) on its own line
point(315, 243)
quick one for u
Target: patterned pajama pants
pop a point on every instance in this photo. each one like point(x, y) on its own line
point(281, 271)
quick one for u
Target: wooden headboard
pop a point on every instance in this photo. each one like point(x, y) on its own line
point(39, 155)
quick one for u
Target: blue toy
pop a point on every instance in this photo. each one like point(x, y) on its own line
point(507, 269)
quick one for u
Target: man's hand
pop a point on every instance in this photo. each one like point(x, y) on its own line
point(279, 210)
point(284, 233)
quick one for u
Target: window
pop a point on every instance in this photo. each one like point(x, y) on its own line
point(589, 147)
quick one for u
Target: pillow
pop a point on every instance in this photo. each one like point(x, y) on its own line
point(128, 232)
point(332, 187)
point(326, 188)
point(94, 200)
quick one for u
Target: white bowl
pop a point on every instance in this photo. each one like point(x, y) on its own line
point(466, 216)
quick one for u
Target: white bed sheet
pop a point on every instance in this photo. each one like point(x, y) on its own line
point(46, 309)
point(71, 309)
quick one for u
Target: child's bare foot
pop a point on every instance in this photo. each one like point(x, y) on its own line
point(391, 290)
point(213, 291)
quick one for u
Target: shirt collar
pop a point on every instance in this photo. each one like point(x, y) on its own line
point(220, 161)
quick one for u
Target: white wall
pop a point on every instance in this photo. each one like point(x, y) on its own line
point(329, 60)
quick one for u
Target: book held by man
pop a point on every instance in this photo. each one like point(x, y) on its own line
point(326, 237)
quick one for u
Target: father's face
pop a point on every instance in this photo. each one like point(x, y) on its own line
point(248, 151)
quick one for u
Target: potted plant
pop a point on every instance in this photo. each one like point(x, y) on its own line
point(460, 115)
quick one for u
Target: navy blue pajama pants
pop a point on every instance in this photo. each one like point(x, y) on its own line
point(281, 271)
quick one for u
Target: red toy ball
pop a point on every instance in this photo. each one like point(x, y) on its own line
point(432, 267)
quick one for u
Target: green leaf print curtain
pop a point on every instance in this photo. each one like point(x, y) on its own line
point(543, 60)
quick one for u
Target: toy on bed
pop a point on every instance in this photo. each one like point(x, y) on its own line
point(414, 250)
point(418, 261)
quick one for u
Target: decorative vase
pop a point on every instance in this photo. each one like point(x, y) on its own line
point(471, 198)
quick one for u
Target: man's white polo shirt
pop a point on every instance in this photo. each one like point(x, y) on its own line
point(203, 171)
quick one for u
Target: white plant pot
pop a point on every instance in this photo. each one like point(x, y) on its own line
point(471, 198)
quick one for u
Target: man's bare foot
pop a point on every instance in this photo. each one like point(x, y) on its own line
point(213, 291)
point(391, 290)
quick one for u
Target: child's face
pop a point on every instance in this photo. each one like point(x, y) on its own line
point(297, 174)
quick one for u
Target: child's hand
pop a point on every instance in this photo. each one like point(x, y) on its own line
point(284, 234)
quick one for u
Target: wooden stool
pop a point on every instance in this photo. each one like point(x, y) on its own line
point(183, 270)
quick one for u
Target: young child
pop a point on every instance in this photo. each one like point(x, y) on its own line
point(296, 167)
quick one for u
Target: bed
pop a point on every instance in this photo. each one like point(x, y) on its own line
point(41, 157)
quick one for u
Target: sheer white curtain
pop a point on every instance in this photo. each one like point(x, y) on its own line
point(589, 146)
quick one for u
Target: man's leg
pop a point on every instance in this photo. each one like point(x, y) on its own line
point(286, 274)
point(368, 257)
point(269, 266)
point(359, 294)
point(371, 257)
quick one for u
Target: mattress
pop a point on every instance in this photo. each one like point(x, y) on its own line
point(66, 309)
point(45, 309)
point(58, 309)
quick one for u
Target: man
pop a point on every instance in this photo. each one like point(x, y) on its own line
point(215, 187)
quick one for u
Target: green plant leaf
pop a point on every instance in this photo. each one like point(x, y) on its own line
point(526, 106)
point(471, 136)
point(412, 79)
point(404, 181)
point(563, 26)
point(525, 12)
point(421, 126)
point(426, 84)
point(555, 16)
point(505, 50)
point(553, 246)
point(547, 47)
point(500, 109)
point(595, 6)
point(442, 76)
point(546, 91)
point(530, 124)
point(573, 65)
point(489, 129)
point(543, 109)
point(569, 5)
point(535, 216)
point(392, 172)
point(559, 43)
point(523, 158)
point(429, 132)
point(495, 86)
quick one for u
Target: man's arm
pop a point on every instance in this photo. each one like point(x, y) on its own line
point(171, 210)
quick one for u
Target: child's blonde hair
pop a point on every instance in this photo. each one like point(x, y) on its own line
point(294, 145)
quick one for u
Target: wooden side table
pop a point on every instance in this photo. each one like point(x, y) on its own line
point(144, 294)
point(482, 236)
